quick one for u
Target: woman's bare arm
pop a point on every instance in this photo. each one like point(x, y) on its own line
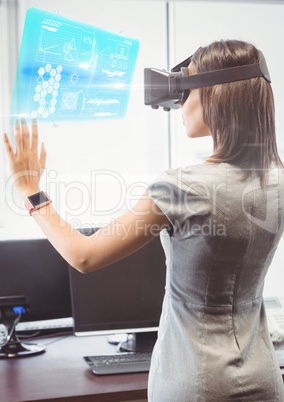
point(121, 237)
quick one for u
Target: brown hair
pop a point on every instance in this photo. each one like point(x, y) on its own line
point(240, 114)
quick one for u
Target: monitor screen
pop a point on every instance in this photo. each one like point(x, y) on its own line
point(33, 268)
point(125, 297)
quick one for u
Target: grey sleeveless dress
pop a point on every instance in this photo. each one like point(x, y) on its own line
point(213, 343)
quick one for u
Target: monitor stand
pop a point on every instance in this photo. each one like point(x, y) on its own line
point(136, 342)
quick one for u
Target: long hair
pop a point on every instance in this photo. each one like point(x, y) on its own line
point(241, 114)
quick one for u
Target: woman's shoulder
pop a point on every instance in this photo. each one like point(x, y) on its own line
point(223, 174)
point(194, 180)
point(201, 173)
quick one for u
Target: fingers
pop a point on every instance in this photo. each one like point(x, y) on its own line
point(42, 156)
point(8, 147)
point(24, 142)
point(18, 138)
point(25, 135)
point(25, 163)
point(34, 143)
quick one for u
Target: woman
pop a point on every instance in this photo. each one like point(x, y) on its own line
point(222, 221)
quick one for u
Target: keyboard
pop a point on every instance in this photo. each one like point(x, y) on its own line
point(118, 363)
point(45, 326)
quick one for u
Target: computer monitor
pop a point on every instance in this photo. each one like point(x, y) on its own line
point(123, 298)
point(33, 268)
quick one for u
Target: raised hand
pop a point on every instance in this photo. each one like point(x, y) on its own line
point(27, 164)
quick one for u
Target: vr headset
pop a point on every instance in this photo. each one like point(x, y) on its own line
point(169, 89)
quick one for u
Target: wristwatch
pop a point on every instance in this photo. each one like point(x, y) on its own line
point(37, 201)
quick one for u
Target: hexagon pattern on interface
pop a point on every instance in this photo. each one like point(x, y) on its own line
point(46, 90)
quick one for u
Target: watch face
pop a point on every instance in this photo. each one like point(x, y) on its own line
point(38, 199)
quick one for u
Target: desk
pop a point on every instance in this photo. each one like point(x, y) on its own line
point(61, 374)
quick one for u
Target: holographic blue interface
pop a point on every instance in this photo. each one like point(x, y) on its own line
point(68, 70)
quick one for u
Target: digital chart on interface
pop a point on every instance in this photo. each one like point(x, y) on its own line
point(68, 70)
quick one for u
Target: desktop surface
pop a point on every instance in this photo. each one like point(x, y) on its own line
point(61, 372)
